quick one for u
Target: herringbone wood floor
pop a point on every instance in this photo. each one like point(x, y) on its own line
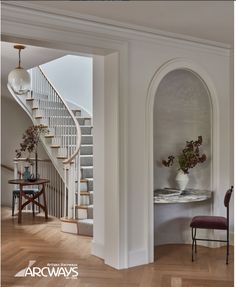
point(43, 242)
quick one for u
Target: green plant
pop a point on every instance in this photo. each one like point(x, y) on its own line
point(189, 157)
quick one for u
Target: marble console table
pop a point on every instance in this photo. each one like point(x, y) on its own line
point(189, 195)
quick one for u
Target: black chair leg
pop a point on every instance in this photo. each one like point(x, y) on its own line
point(192, 245)
point(39, 203)
point(195, 233)
point(227, 252)
point(33, 209)
point(13, 203)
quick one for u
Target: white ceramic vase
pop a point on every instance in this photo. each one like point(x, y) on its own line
point(181, 180)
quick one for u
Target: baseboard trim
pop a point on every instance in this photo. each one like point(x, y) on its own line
point(137, 257)
point(97, 249)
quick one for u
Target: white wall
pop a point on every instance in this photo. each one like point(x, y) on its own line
point(72, 77)
point(98, 155)
point(145, 58)
point(14, 121)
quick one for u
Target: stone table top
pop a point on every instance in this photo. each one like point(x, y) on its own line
point(175, 196)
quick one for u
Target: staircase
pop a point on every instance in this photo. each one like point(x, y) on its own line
point(69, 145)
point(83, 222)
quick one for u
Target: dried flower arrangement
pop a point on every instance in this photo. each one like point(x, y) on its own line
point(30, 140)
point(189, 157)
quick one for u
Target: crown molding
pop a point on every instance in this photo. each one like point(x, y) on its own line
point(33, 14)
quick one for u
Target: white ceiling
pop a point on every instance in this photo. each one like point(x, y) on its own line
point(211, 20)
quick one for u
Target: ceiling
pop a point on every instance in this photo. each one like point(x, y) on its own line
point(210, 20)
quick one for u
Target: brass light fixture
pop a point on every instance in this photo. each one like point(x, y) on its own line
point(19, 78)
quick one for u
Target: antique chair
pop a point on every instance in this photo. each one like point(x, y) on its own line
point(212, 222)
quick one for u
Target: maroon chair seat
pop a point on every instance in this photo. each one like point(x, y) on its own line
point(212, 222)
point(209, 222)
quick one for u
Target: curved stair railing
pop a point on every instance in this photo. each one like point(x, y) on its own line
point(46, 106)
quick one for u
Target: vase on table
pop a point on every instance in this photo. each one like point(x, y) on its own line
point(181, 180)
point(26, 173)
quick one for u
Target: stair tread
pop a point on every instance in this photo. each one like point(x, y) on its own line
point(82, 206)
point(80, 117)
point(61, 157)
point(86, 155)
point(86, 193)
point(38, 117)
point(29, 99)
point(55, 146)
point(88, 178)
point(86, 166)
point(86, 220)
point(49, 136)
point(70, 220)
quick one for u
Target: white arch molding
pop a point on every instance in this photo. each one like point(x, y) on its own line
point(198, 71)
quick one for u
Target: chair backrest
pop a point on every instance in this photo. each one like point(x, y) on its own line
point(228, 196)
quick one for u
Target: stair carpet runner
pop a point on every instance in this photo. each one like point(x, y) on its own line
point(84, 211)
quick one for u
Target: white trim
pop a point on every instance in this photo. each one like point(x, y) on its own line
point(179, 63)
point(137, 257)
point(97, 249)
point(20, 12)
point(108, 24)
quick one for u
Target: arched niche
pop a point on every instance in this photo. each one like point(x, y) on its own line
point(182, 111)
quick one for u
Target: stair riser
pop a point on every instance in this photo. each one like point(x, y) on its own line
point(86, 172)
point(56, 141)
point(85, 229)
point(86, 140)
point(91, 198)
point(77, 113)
point(86, 186)
point(90, 213)
point(84, 200)
point(81, 213)
point(86, 130)
point(47, 104)
point(90, 185)
point(86, 161)
point(86, 122)
point(42, 121)
point(86, 150)
point(83, 186)
point(67, 121)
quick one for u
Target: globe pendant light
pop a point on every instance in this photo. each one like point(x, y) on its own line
point(19, 78)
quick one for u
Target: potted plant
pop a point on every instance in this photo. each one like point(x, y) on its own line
point(187, 159)
point(30, 140)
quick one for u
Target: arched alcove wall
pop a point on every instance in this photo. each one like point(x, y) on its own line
point(182, 112)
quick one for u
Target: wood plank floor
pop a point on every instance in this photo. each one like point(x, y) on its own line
point(36, 240)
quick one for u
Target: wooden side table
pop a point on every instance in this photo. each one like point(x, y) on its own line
point(31, 199)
